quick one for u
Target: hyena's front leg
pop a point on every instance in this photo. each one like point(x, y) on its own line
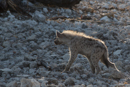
point(73, 55)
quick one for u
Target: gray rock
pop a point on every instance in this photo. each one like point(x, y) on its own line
point(122, 6)
point(119, 64)
point(43, 45)
point(34, 45)
point(90, 86)
point(43, 82)
point(39, 16)
point(43, 72)
point(12, 84)
point(61, 85)
point(127, 85)
point(106, 19)
point(117, 52)
point(24, 76)
point(45, 10)
point(24, 64)
point(52, 81)
point(84, 76)
point(69, 82)
point(126, 62)
point(127, 67)
point(29, 83)
point(32, 72)
point(91, 80)
point(6, 70)
point(33, 64)
point(1, 38)
point(1, 64)
point(66, 56)
point(115, 74)
point(6, 75)
point(106, 75)
point(68, 11)
point(99, 83)
point(105, 5)
point(29, 57)
point(80, 85)
point(32, 37)
point(16, 70)
point(6, 44)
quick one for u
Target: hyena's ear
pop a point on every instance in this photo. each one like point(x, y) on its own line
point(58, 34)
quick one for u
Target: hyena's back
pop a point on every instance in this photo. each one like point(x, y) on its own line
point(87, 45)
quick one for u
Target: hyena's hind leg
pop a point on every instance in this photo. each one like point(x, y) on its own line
point(95, 57)
point(91, 65)
point(73, 55)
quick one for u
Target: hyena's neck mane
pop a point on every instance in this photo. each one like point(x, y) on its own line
point(72, 34)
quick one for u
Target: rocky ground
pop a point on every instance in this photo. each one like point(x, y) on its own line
point(29, 57)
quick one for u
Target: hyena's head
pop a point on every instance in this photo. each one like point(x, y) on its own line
point(61, 38)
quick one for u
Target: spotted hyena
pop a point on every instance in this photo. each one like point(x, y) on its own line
point(80, 43)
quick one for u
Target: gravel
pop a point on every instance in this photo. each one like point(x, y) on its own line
point(28, 53)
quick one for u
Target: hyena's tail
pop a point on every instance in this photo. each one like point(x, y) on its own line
point(107, 62)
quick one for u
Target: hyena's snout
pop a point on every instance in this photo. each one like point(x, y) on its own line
point(57, 42)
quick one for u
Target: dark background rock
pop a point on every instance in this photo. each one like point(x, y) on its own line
point(3, 6)
point(10, 5)
point(61, 3)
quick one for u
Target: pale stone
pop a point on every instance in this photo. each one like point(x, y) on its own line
point(32, 37)
point(29, 83)
point(117, 52)
point(45, 10)
point(29, 57)
point(12, 84)
point(80, 11)
point(90, 86)
point(105, 18)
point(66, 56)
point(99, 83)
point(43, 45)
point(122, 6)
point(68, 11)
point(6, 70)
point(39, 16)
point(105, 5)
point(127, 85)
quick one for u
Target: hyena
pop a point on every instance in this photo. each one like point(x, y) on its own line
point(79, 43)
